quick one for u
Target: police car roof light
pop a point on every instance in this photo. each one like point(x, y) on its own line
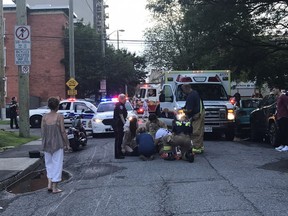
point(71, 99)
point(109, 99)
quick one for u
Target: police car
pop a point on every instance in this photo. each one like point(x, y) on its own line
point(103, 119)
point(69, 108)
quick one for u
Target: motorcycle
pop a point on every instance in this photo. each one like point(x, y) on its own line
point(76, 134)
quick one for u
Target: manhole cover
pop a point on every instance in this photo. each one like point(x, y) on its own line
point(33, 181)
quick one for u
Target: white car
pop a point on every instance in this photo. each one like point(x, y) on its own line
point(103, 119)
point(68, 108)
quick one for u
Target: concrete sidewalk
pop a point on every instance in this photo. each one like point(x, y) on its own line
point(15, 163)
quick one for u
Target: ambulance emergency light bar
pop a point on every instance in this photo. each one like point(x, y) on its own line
point(181, 78)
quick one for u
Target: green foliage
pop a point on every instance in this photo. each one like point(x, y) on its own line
point(247, 37)
point(118, 67)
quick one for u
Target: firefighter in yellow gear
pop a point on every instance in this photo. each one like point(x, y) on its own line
point(163, 138)
point(182, 130)
point(194, 109)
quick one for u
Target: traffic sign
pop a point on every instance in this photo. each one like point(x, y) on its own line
point(72, 92)
point(22, 37)
point(72, 83)
point(22, 56)
point(25, 69)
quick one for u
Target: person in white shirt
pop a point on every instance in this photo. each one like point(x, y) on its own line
point(146, 109)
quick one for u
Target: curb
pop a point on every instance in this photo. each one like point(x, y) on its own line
point(6, 183)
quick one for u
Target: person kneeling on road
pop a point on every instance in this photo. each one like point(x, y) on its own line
point(178, 144)
point(129, 145)
point(181, 139)
point(154, 124)
point(146, 146)
point(163, 139)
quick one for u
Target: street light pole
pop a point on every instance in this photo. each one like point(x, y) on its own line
point(71, 40)
point(118, 30)
point(121, 30)
point(117, 39)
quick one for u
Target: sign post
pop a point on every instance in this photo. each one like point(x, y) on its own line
point(22, 35)
point(72, 83)
point(22, 45)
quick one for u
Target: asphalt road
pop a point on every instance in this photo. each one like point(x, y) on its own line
point(230, 178)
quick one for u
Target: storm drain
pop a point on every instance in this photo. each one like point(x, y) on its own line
point(32, 182)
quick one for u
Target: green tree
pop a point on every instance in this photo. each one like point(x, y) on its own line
point(118, 67)
point(123, 69)
point(165, 38)
point(88, 59)
point(241, 35)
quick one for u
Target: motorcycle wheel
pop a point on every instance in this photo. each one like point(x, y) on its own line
point(83, 143)
point(74, 144)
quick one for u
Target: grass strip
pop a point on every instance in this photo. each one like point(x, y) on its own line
point(12, 139)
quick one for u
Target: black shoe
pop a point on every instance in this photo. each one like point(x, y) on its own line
point(190, 157)
point(119, 157)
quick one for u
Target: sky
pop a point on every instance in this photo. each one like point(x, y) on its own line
point(129, 15)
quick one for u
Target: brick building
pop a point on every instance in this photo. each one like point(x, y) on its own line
point(47, 74)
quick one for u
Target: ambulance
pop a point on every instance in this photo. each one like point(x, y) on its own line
point(213, 86)
point(149, 92)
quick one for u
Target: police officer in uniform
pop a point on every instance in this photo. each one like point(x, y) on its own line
point(120, 115)
point(13, 113)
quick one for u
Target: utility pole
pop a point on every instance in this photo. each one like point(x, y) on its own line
point(71, 40)
point(23, 78)
point(2, 68)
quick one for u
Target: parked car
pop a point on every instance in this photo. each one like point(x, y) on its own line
point(68, 108)
point(103, 119)
point(242, 119)
point(263, 122)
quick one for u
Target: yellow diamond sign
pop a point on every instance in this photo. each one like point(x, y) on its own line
point(72, 83)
